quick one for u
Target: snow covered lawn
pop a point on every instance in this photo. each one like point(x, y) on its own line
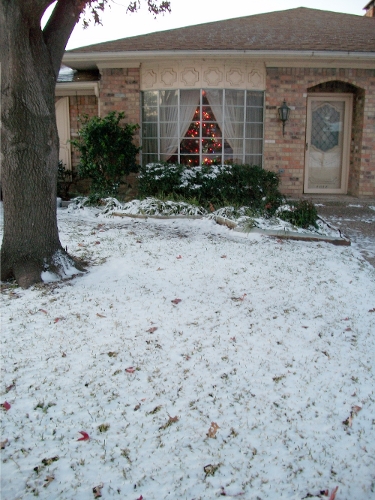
point(190, 362)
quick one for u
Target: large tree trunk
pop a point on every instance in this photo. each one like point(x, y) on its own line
point(30, 149)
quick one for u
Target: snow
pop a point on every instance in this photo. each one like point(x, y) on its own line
point(259, 383)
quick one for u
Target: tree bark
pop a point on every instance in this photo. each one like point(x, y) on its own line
point(30, 147)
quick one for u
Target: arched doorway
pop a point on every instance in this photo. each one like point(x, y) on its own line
point(333, 129)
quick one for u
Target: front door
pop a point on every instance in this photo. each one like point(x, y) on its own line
point(327, 143)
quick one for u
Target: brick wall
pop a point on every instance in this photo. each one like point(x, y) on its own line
point(78, 107)
point(287, 154)
point(120, 91)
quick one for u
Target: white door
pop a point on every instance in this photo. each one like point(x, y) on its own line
point(327, 143)
point(63, 128)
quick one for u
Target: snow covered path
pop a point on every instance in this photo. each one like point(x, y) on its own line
point(258, 383)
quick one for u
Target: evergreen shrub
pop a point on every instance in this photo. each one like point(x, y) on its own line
point(213, 185)
point(107, 152)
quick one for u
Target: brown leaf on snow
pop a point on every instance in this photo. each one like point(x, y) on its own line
point(152, 329)
point(176, 301)
point(223, 257)
point(10, 387)
point(4, 443)
point(356, 409)
point(171, 420)
point(100, 315)
point(239, 298)
point(212, 430)
point(97, 490)
point(333, 494)
point(372, 310)
point(47, 481)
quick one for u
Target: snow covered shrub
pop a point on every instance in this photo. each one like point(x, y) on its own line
point(301, 213)
point(107, 152)
point(213, 185)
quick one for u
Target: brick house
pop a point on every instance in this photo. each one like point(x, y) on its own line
point(211, 93)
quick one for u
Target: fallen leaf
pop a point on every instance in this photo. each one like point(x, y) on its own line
point(100, 315)
point(333, 494)
point(49, 461)
point(97, 243)
point(81, 244)
point(356, 409)
point(63, 355)
point(152, 329)
point(346, 319)
point(372, 310)
point(136, 407)
point(10, 387)
point(47, 481)
point(140, 498)
point(348, 329)
point(179, 257)
point(212, 430)
point(131, 369)
point(176, 301)
point(6, 405)
point(348, 421)
point(97, 490)
point(3, 443)
point(43, 311)
point(85, 436)
point(56, 320)
point(169, 422)
point(239, 298)
point(223, 257)
point(233, 339)
point(112, 354)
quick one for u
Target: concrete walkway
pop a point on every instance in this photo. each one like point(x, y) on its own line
point(355, 217)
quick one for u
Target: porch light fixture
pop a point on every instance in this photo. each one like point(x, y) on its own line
point(284, 112)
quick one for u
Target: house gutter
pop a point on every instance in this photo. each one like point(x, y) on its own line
point(91, 60)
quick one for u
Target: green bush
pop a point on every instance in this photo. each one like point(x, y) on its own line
point(214, 185)
point(301, 213)
point(107, 152)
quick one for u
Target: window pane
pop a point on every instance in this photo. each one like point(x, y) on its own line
point(255, 99)
point(150, 130)
point(253, 146)
point(192, 160)
point(189, 146)
point(235, 98)
point(254, 160)
point(211, 159)
point(149, 146)
point(149, 114)
point(254, 131)
point(211, 130)
point(254, 115)
point(168, 97)
point(150, 98)
point(211, 146)
point(168, 129)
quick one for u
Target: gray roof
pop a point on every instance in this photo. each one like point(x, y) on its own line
point(298, 29)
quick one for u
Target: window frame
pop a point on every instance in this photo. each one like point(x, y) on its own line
point(224, 157)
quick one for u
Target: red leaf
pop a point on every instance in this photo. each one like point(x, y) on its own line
point(152, 329)
point(43, 311)
point(140, 498)
point(6, 405)
point(97, 242)
point(131, 369)
point(85, 436)
point(176, 301)
point(56, 320)
point(333, 494)
point(10, 387)
point(179, 257)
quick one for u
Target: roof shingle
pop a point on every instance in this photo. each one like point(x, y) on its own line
point(295, 29)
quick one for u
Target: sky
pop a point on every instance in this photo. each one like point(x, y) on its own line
point(118, 24)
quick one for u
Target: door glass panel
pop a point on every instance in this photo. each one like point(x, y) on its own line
point(326, 145)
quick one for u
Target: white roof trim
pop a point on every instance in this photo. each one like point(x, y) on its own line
point(77, 88)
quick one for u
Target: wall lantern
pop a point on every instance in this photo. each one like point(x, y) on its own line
point(284, 112)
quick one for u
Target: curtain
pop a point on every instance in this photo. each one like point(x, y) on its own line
point(168, 123)
point(232, 111)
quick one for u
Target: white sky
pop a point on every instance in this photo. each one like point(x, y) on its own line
point(117, 24)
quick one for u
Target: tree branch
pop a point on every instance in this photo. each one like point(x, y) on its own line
point(59, 27)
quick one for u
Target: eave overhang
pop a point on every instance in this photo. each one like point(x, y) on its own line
point(271, 58)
